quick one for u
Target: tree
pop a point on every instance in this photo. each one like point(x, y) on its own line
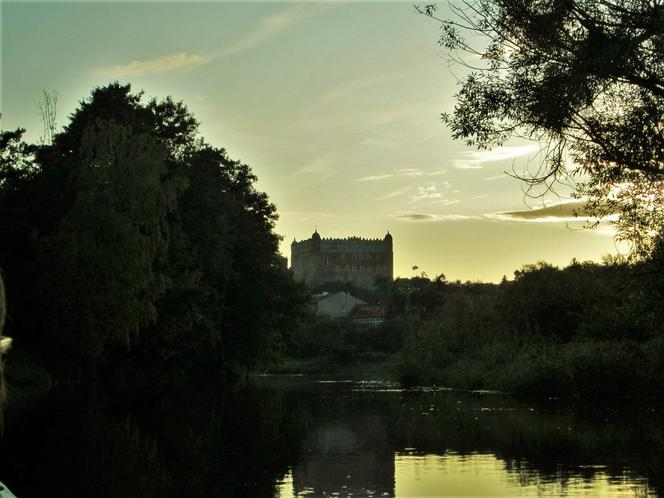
point(585, 78)
point(127, 236)
point(101, 284)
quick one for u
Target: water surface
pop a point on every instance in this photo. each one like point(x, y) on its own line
point(307, 436)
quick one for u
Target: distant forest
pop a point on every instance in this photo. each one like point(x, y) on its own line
point(127, 239)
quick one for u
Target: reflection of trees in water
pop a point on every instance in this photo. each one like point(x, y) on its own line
point(538, 442)
point(546, 440)
point(202, 444)
point(346, 456)
point(238, 443)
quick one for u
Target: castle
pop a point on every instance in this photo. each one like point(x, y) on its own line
point(316, 261)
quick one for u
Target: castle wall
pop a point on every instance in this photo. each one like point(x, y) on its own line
point(316, 261)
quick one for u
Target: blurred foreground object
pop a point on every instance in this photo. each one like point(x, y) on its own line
point(5, 344)
point(5, 493)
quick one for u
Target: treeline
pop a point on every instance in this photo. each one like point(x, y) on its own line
point(587, 329)
point(129, 238)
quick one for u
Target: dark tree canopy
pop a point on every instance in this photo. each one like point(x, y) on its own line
point(130, 237)
point(585, 78)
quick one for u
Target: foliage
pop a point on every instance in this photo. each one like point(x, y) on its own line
point(129, 238)
point(585, 78)
point(588, 329)
point(100, 285)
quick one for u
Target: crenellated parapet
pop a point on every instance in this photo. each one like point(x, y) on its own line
point(359, 260)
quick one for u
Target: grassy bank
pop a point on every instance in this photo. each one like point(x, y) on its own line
point(578, 368)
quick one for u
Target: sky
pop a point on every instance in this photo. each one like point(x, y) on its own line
point(335, 106)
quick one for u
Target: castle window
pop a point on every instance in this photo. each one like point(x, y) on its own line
point(361, 268)
point(361, 256)
point(327, 261)
point(354, 256)
point(337, 268)
point(352, 268)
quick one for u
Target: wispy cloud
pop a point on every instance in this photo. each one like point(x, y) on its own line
point(432, 194)
point(476, 159)
point(410, 172)
point(436, 217)
point(373, 178)
point(266, 29)
point(394, 193)
point(399, 172)
point(565, 211)
point(322, 167)
point(427, 192)
point(159, 65)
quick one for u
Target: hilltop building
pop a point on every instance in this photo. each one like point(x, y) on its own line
point(316, 261)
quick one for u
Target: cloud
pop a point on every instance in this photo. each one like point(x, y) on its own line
point(159, 65)
point(394, 193)
point(565, 211)
point(266, 29)
point(430, 192)
point(426, 192)
point(476, 159)
point(436, 217)
point(399, 172)
point(171, 62)
point(372, 178)
point(320, 166)
point(409, 172)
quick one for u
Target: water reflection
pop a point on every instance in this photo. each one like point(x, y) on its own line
point(288, 437)
point(486, 475)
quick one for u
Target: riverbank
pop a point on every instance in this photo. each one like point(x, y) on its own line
point(536, 367)
point(371, 364)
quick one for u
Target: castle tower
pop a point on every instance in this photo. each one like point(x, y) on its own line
point(317, 260)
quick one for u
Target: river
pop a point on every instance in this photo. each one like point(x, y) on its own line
point(285, 437)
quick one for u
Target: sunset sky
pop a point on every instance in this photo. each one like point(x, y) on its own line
point(335, 106)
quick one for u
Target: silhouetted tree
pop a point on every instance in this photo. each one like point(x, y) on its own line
point(585, 78)
point(129, 233)
point(102, 284)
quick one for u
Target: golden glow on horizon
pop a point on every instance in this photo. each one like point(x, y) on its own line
point(338, 117)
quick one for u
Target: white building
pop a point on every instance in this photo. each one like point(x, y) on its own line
point(337, 305)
